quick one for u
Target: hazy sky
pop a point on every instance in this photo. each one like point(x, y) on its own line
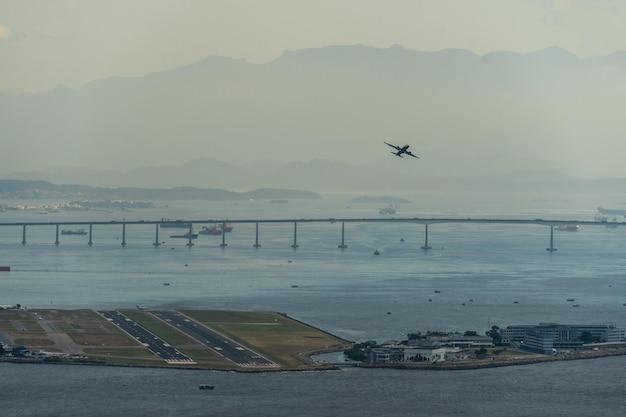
point(45, 43)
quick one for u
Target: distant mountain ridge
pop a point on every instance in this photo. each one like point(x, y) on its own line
point(468, 113)
point(44, 189)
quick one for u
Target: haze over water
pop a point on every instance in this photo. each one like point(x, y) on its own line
point(349, 293)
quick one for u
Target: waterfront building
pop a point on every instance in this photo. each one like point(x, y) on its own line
point(551, 337)
point(386, 354)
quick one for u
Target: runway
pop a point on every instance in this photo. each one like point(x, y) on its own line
point(217, 342)
point(154, 343)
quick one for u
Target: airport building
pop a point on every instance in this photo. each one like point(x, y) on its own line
point(549, 338)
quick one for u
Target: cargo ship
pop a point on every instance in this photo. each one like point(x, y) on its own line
point(185, 236)
point(212, 230)
point(180, 224)
point(568, 227)
point(80, 232)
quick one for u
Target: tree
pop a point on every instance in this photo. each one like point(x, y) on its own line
point(481, 351)
point(495, 335)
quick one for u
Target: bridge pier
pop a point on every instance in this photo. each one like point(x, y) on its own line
point(190, 236)
point(223, 244)
point(156, 243)
point(90, 243)
point(343, 236)
point(56, 240)
point(23, 234)
point(295, 235)
point(426, 246)
point(123, 235)
point(256, 236)
point(551, 248)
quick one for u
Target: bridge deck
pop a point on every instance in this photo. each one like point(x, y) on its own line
point(417, 220)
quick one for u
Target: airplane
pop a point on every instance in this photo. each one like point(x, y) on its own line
point(401, 150)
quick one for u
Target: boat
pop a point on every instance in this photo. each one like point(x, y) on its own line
point(212, 230)
point(571, 299)
point(80, 232)
point(184, 236)
point(390, 209)
point(611, 212)
point(568, 227)
point(181, 224)
point(205, 387)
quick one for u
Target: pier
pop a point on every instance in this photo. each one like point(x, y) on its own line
point(426, 222)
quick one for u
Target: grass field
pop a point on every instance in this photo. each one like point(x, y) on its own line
point(84, 332)
point(285, 341)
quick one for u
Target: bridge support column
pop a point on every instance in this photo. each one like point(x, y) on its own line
point(343, 236)
point(123, 235)
point(223, 244)
point(90, 243)
point(551, 248)
point(190, 236)
point(256, 236)
point(426, 246)
point(56, 240)
point(23, 234)
point(295, 235)
point(156, 236)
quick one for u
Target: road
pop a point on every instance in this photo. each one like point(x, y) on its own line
point(217, 342)
point(154, 343)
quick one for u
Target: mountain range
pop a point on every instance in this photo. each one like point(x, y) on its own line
point(465, 114)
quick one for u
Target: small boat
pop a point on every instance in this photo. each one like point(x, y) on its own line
point(185, 236)
point(570, 299)
point(80, 232)
point(575, 305)
point(206, 387)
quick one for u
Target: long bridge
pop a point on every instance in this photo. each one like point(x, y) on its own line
point(551, 223)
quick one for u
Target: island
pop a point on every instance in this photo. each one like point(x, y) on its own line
point(29, 189)
point(384, 199)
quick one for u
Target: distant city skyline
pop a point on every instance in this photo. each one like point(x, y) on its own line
point(69, 42)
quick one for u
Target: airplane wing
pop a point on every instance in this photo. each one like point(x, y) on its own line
point(411, 154)
point(397, 148)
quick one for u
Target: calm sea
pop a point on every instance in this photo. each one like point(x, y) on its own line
point(351, 293)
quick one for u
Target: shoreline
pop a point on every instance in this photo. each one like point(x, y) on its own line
point(445, 366)
point(484, 364)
